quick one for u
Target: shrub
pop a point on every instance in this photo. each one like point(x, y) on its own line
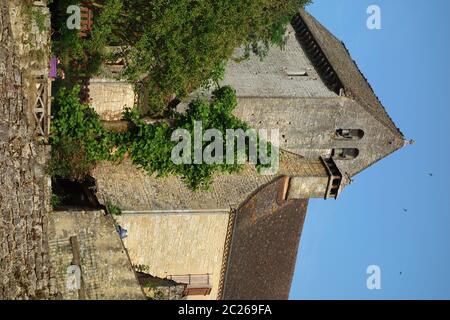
point(113, 209)
point(69, 160)
point(82, 57)
point(79, 140)
point(151, 146)
point(142, 268)
point(55, 201)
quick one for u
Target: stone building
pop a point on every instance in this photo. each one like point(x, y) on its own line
point(88, 241)
point(109, 97)
point(240, 239)
point(110, 94)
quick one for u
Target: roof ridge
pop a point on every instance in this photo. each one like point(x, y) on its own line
point(371, 88)
point(338, 68)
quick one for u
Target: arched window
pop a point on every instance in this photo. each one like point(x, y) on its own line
point(345, 153)
point(349, 134)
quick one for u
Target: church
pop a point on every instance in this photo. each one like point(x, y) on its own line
point(239, 240)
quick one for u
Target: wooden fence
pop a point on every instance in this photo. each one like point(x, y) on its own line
point(42, 106)
point(87, 21)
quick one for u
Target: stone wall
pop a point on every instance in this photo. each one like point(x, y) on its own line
point(109, 98)
point(283, 72)
point(308, 127)
point(132, 189)
point(24, 199)
point(106, 270)
point(177, 244)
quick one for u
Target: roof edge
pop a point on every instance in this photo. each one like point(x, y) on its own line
point(303, 24)
point(226, 253)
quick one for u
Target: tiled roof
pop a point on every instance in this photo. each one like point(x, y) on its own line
point(344, 73)
point(263, 247)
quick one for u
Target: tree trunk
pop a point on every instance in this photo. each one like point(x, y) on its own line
point(120, 126)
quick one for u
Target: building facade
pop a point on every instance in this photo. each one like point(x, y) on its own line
point(240, 239)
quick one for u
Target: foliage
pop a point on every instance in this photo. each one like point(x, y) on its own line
point(174, 47)
point(83, 57)
point(151, 146)
point(69, 160)
point(217, 74)
point(156, 294)
point(79, 140)
point(113, 209)
point(32, 14)
point(55, 201)
point(79, 122)
point(179, 45)
point(142, 268)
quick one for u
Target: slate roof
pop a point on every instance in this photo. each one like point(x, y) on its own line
point(263, 247)
point(353, 82)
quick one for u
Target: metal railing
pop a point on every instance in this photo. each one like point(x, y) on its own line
point(192, 279)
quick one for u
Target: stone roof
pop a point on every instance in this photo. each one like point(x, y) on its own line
point(275, 75)
point(353, 82)
point(132, 189)
point(106, 269)
point(263, 247)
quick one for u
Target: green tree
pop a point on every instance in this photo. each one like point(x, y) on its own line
point(82, 57)
point(180, 45)
point(150, 146)
point(78, 139)
point(175, 47)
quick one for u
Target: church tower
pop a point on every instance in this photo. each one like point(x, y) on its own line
point(240, 238)
point(314, 93)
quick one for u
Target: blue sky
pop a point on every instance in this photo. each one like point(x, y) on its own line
point(407, 63)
